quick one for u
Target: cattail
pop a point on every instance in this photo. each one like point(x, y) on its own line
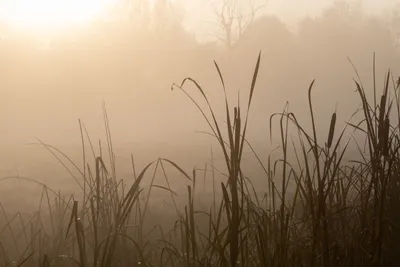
point(331, 130)
point(385, 145)
point(381, 117)
point(194, 178)
point(79, 225)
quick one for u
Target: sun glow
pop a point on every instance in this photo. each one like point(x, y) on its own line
point(51, 14)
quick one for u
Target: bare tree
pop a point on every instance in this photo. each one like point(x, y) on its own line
point(233, 18)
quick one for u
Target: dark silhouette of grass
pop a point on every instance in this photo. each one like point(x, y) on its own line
point(341, 213)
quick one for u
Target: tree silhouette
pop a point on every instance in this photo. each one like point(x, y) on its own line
point(394, 24)
point(234, 17)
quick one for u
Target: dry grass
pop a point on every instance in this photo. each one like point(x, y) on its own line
point(341, 213)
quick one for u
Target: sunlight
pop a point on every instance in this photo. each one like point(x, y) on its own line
point(51, 14)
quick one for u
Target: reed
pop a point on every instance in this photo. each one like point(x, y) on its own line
point(317, 210)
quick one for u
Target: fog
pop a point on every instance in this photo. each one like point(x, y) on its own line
point(51, 80)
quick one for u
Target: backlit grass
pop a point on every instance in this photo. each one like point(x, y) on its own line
point(317, 210)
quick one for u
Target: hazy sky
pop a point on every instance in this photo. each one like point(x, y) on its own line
point(47, 90)
point(201, 19)
point(198, 16)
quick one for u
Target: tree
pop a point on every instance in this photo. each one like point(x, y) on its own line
point(394, 24)
point(234, 17)
point(137, 12)
point(148, 14)
point(275, 35)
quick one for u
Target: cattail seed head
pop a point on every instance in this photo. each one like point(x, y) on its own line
point(332, 130)
point(385, 145)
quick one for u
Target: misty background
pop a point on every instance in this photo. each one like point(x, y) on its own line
point(49, 80)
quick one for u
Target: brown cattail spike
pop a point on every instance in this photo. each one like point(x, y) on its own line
point(385, 145)
point(331, 130)
point(382, 110)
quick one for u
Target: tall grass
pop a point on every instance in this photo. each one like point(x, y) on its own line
point(341, 213)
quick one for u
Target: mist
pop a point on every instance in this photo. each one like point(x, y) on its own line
point(199, 133)
point(51, 80)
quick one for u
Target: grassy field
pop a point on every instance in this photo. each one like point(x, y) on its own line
point(314, 205)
